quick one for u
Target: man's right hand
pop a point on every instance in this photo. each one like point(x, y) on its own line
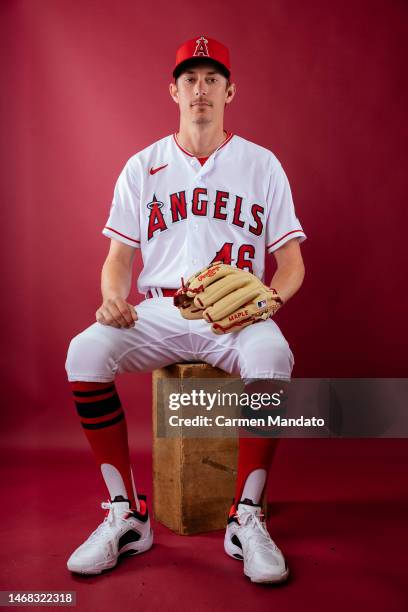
point(116, 312)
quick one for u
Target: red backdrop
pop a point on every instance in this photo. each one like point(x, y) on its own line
point(86, 86)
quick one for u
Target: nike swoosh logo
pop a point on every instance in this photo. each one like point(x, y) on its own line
point(154, 170)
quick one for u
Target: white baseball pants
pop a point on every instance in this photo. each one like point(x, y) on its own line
point(161, 337)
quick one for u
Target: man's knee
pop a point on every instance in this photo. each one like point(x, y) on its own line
point(279, 354)
point(90, 358)
point(270, 357)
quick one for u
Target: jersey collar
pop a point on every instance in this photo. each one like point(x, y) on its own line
point(226, 141)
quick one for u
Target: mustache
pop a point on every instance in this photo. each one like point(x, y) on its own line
point(201, 101)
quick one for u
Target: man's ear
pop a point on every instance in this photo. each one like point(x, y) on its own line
point(174, 92)
point(230, 93)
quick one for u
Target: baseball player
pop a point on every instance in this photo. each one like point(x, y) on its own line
point(198, 196)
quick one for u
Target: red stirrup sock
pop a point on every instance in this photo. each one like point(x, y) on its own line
point(254, 454)
point(257, 451)
point(103, 420)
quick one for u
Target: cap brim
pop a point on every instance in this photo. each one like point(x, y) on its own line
point(194, 61)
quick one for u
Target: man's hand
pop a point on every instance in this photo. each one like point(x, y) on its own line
point(115, 285)
point(117, 313)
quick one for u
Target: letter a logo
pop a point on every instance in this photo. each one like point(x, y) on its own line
point(201, 48)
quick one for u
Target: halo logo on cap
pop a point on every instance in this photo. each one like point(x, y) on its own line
point(201, 48)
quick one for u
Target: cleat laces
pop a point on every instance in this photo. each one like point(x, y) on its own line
point(109, 521)
point(257, 531)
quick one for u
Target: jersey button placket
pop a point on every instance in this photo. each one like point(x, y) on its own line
point(199, 181)
point(192, 260)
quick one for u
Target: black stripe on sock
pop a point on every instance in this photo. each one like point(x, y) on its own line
point(98, 408)
point(120, 417)
point(92, 393)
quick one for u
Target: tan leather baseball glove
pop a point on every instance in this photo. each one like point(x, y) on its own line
point(227, 297)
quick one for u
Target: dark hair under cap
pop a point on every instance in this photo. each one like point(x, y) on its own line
point(195, 61)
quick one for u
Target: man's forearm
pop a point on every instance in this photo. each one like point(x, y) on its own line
point(116, 279)
point(287, 280)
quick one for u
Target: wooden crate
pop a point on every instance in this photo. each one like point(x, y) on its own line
point(193, 478)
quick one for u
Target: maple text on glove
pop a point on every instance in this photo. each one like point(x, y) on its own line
point(227, 297)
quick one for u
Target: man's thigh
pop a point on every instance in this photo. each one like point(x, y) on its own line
point(257, 351)
point(160, 337)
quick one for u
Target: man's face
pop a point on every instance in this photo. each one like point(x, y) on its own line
point(202, 93)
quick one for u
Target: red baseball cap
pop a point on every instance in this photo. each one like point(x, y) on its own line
point(202, 47)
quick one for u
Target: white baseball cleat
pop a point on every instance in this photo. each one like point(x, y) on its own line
point(247, 539)
point(122, 531)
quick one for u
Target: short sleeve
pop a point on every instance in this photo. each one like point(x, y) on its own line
point(123, 223)
point(282, 224)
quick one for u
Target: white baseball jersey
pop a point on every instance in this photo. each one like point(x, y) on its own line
point(183, 215)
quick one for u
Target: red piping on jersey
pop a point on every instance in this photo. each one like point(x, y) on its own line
point(124, 235)
point(279, 239)
point(228, 138)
